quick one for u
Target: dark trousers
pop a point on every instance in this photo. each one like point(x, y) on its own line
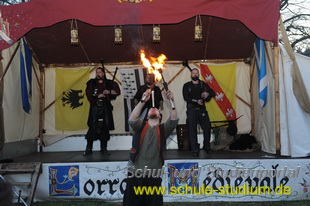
point(92, 136)
point(131, 199)
point(195, 116)
point(103, 144)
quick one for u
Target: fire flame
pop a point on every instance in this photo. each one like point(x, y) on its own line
point(154, 65)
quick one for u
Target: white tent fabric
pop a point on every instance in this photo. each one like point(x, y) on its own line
point(19, 125)
point(294, 121)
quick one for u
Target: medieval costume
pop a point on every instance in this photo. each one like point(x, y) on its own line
point(148, 144)
point(197, 113)
point(100, 119)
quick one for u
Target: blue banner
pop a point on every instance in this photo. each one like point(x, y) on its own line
point(261, 71)
point(26, 75)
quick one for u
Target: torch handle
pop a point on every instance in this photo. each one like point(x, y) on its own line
point(151, 88)
point(165, 85)
point(166, 88)
point(172, 104)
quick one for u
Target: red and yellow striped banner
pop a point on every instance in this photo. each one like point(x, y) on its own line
point(222, 79)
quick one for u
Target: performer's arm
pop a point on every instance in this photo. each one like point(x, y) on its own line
point(135, 114)
point(161, 105)
point(173, 112)
point(115, 89)
point(186, 95)
point(208, 93)
point(112, 90)
point(90, 93)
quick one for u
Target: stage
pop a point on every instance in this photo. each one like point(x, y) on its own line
point(123, 155)
point(70, 175)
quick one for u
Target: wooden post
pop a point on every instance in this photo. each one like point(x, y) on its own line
point(2, 137)
point(277, 100)
point(42, 103)
point(252, 69)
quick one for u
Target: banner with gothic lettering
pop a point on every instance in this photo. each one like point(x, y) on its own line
point(189, 180)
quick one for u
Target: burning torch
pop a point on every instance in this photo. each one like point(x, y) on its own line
point(155, 68)
point(166, 87)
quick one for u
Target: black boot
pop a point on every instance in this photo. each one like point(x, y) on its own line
point(88, 151)
point(89, 148)
point(105, 151)
point(207, 150)
point(104, 144)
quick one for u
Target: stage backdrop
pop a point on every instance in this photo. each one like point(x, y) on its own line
point(175, 75)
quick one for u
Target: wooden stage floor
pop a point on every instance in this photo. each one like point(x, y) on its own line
point(123, 155)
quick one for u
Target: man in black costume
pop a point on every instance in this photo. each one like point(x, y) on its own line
point(196, 93)
point(158, 101)
point(100, 91)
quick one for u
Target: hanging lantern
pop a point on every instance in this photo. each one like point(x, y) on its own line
point(74, 33)
point(118, 39)
point(156, 34)
point(198, 29)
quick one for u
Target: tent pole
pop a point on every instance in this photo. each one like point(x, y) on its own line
point(42, 102)
point(252, 68)
point(2, 137)
point(277, 100)
point(207, 39)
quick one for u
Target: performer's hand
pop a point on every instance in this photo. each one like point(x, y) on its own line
point(101, 95)
point(113, 92)
point(204, 95)
point(146, 95)
point(106, 91)
point(200, 101)
point(169, 95)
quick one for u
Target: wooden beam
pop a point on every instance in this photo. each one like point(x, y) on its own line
point(2, 133)
point(138, 63)
point(37, 78)
point(277, 99)
point(252, 72)
point(42, 103)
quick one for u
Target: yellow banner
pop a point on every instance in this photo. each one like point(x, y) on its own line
point(225, 76)
point(71, 103)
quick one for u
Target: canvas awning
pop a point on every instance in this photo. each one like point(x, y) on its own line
point(229, 28)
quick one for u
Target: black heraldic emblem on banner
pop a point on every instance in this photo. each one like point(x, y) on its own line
point(72, 97)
